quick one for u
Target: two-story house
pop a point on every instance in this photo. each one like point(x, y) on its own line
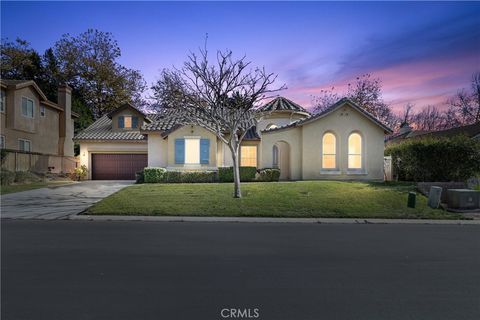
point(31, 124)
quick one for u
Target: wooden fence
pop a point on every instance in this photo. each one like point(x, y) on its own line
point(37, 162)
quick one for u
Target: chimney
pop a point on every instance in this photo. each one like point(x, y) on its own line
point(65, 143)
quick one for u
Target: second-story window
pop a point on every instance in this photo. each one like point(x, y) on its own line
point(24, 145)
point(27, 107)
point(42, 111)
point(2, 101)
point(128, 122)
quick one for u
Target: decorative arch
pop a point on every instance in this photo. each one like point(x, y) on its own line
point(283, 158)
point(271, 126)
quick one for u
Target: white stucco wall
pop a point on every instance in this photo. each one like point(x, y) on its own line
point(157, 150)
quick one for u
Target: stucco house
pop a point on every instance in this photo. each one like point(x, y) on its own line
point(36, 132)
point(343, 142)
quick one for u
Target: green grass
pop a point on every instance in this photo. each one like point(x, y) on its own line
point(273, 199)
point(28, 186)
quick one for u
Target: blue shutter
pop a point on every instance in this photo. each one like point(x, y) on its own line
point(204, 151)
point(134, 122)
point(121, 122)
point(180, 151)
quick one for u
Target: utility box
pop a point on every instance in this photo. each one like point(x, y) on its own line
point(463, 199)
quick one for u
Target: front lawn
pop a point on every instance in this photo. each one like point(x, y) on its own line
point(270, 199)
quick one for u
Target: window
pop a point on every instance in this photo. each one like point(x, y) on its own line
point(42, 111)
point(24, 145)
point(27, 107)
point(248, 156)
point(275, 157)
point(128, 122)
point(192, 151)
point(329, 151)
point(355, 151)
point(2, 142)
point(2, 101)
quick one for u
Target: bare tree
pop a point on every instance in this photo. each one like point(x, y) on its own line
point(221, 97)
point(464, 107)
point(429, 119)
point(324, 99)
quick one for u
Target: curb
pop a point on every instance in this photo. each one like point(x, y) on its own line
point(270, 220)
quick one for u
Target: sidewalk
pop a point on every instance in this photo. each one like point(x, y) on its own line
point(270, 220)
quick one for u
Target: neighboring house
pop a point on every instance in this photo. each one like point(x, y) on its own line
point(406, 132)
point(30, 123)
point(344, 142)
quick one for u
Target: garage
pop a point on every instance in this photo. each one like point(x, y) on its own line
point(117, 166)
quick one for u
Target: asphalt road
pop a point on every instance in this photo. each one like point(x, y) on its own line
point(148, 270)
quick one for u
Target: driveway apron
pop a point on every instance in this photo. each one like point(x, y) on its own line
point(57, 202)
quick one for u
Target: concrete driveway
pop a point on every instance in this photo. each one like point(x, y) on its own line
point(57, 202)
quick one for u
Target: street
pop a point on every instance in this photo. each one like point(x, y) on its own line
point(165, 270)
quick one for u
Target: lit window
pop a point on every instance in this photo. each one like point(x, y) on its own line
point(2, 100)
point(192, 151)
point(275, 157)
point(355, 151)
point(24, 145)
point(329, 151)
point(42, 111)
point(128, 122)
point(27, 107)
point(2, 142)
point(248, 156)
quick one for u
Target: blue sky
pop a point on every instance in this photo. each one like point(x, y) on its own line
point(422, 51)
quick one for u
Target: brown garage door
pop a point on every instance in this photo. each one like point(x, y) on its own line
point(117, 166)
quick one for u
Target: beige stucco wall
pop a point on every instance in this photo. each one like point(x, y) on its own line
point(342, 123)
point(305, 143)
point(43, 132)
point(191, 131)
point(88, 148)
point(291, 136)
point(157, 150)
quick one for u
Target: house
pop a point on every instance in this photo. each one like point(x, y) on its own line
point(343, 142)
point(31, 124)
point(406, 132)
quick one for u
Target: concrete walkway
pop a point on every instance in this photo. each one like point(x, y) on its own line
point(57, 202)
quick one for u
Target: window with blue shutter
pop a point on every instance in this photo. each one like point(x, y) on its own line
point(180, 151)
point(204, 151)
point(121, 122)
point(134, 122)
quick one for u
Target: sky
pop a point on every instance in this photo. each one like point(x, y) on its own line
point(423, 52)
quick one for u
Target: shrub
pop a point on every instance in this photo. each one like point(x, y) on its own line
point(246, 174)
point(161, 175)
point(153, 175)
point(26, 177)
point(139, 177)
point(268, 174)
point(79, 173)
point(190, 176)
point(436, 159)
point(6, 177)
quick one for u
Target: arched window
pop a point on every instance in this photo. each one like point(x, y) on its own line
point(355, 151)
point(329, 151)
point(271, 126)
point(275, 157)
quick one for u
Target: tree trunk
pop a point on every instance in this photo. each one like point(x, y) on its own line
point(237, 193)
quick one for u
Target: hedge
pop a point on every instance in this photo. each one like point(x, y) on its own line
point(268, 174)
point(436, 159)
point(161, 175)
point(225, 174)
